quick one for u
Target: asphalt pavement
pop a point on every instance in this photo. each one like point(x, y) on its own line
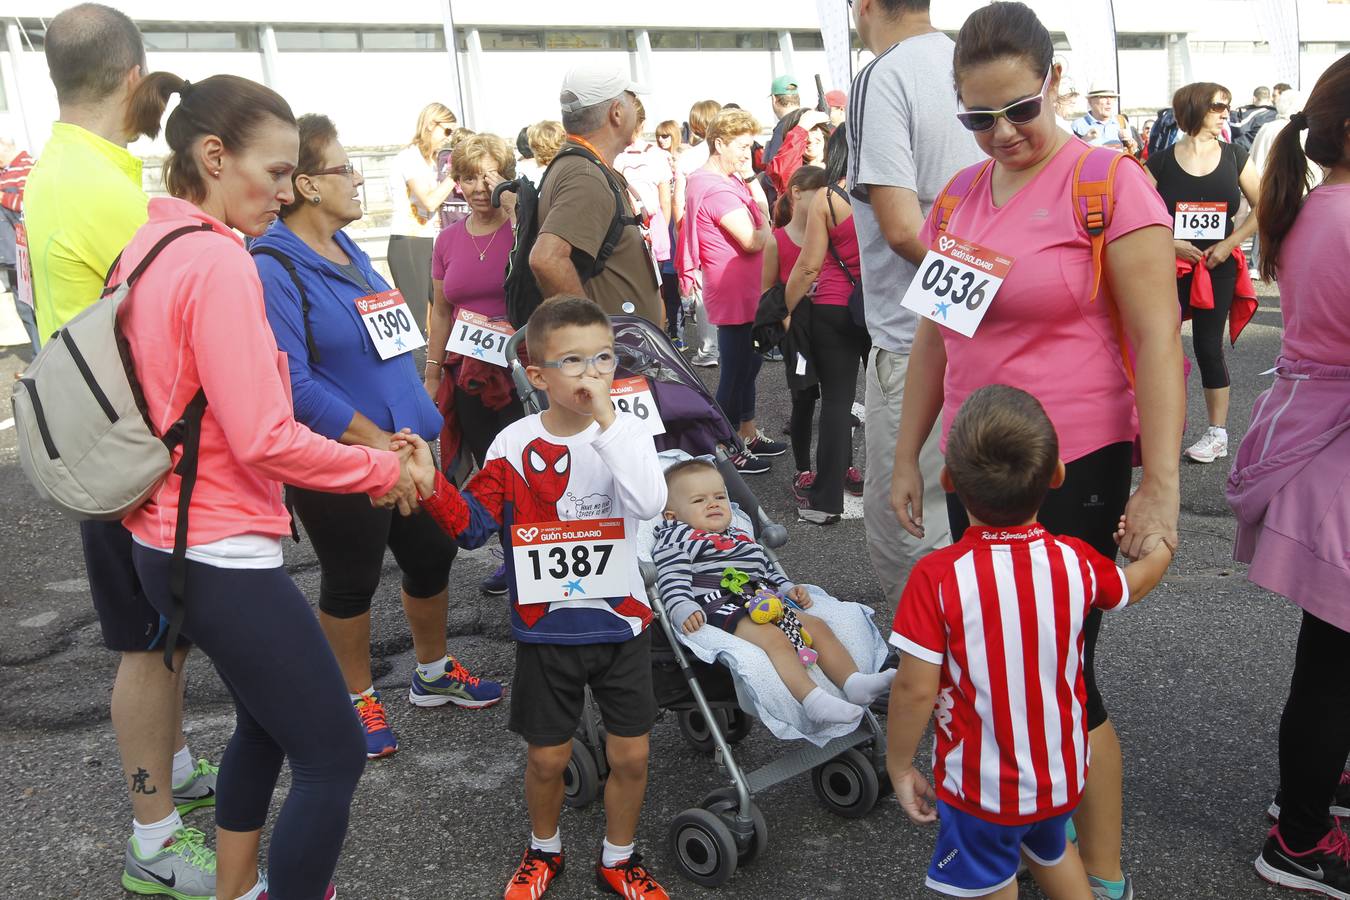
point(1195, 678)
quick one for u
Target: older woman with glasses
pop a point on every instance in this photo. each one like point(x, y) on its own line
point(1055, 327)
point(353, 379)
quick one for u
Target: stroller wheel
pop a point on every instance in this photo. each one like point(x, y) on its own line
point(697, 730)
point(704, 850)
point(581, 778)
point(847, 785)
point(738, 725)
point(725, 803)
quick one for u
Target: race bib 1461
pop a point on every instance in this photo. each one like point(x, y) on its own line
point(584, 559)
point(478, 337)
point(956, 283)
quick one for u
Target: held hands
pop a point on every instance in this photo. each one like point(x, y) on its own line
point(800, 596)
point(421, 464)
point(1218, 254)
point(592, 394)
point(1187, 252)
point(907, 498)
point(1150, 517)
point(693, 623)
point(914, 793)
point(403, 494)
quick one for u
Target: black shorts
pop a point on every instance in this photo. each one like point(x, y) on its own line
point(723, 611)
point(548, 691)
point(129, 623)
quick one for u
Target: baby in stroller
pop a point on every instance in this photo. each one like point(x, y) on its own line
point(708, 572)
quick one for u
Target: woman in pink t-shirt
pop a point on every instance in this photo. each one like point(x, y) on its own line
point(723, 234)
point(1044, 332)
point(1290, 485)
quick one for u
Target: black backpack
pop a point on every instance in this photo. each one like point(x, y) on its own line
point(1163, 133)
point(522, 290)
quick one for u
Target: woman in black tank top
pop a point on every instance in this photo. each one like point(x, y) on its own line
point(1203, 180)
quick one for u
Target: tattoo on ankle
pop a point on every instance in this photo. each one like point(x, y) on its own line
point(139, 785)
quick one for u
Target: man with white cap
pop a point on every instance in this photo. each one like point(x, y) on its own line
point(590, 236)
point(1102, 125)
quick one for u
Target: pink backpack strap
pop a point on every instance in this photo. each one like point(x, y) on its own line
point(960, 186)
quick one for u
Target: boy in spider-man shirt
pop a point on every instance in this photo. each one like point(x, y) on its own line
point(578, 460)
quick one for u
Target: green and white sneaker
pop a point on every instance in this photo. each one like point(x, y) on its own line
point(185, 868)
point(199, 790)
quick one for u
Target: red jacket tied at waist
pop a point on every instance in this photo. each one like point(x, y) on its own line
point(1202, 292)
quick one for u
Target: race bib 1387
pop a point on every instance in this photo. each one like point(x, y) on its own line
point(583, 559)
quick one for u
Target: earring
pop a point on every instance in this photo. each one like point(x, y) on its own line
point(215, 174)
point(316, 199)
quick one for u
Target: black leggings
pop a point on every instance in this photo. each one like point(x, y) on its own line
point(670, 296)
point(290, 703)
point(478, 425)
point(839, 347)
point(801, 424)
point(1209, 327)
point(1314, 732)
point(740, 368)
point(349, 537)
point(1087, 506)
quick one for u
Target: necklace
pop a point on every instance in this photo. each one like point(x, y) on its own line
point(482, 252)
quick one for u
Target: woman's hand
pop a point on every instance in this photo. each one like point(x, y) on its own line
point(431, 380)
point(403, 494)
point(1218, 254)
point(907, 497)
point(494, 178)
point(1187, 252)
point(1150, 517)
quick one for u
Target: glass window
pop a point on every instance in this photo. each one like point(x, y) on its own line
point(317, 40)
point(673, 40)
point(807, 40)
point(732, 40)
point(402, 40)
point(585, 40)
point(512, 40)
point(1141, 42)
point(165, 40)
point(205, 39)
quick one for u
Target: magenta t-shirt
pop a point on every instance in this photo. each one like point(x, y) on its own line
point(1313, 290)
point(730, 274)
point(1041, 334)
point(470, 282)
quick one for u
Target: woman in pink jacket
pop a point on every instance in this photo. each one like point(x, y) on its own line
point(1290, 485)
point(196, 320)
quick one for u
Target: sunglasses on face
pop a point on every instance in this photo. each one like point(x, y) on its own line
point(1020, 112)
point(1218, 107)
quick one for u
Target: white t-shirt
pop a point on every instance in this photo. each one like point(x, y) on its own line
point(242, 551)
point(410, 217)
point(691, 159)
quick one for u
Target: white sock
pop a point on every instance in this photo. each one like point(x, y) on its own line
point(547, 845)
point(824, 707)
point(1219, 431)
point(368, 692)
point(863, 689)
point(255, 892)
point(150, 839)
point(433, 670)
point(612, 854)
point(182, 766)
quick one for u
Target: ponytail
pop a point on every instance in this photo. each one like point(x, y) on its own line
point(226, 106)
point(806, 178)
point(1285, 183)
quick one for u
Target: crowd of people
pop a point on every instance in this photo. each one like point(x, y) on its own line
point(954, 229)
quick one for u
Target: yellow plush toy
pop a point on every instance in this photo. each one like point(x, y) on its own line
point(767, 608)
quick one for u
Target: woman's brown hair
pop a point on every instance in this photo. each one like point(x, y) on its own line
point(999, 31)
point(671, 129)
point(317, 132)
point(227, 106)
point(431, 113)
point(1326, 115)
point(807, 178)
point(701, 115)
point(1191, 103)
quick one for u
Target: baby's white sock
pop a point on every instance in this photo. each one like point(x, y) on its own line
point(863, 689)
point(824, 707)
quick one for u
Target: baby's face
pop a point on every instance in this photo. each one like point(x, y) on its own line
point(699, 499)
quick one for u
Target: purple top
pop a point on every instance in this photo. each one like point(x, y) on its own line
point(473, 267)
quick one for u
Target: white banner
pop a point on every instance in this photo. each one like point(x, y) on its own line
point(1279, 24)
point(1091, 30)
point(834, 30)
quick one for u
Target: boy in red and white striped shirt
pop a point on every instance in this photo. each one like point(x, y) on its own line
point(992, 634)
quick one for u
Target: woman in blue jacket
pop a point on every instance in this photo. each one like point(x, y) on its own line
point(348, 339)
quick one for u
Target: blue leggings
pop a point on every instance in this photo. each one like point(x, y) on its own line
point(290, 702)
point(740, 368)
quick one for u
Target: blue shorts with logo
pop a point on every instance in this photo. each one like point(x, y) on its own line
point(975, 857)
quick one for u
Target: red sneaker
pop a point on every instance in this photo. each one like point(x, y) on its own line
point(536, 870)
point(630, 880)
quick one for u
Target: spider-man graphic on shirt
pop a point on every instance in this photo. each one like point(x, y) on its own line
point(532, 476)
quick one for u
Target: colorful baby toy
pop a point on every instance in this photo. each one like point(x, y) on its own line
point(769, 608)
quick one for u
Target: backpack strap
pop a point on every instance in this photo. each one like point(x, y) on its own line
point(834, 189)
point(289, 266)
point(957, 189)
point(621, 220)
point(149, 257)
point(1094, 184)
point(186, 432)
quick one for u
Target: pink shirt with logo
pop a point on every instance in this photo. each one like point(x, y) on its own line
point(646, 167)
point(1041, 334)
point(730, 274)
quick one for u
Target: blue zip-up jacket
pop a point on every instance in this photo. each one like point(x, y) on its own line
point(350, 376)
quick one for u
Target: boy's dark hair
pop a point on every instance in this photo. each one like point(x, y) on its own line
point(559, 312)
point(687, 466)
point(89, 49)
point(1002, 451)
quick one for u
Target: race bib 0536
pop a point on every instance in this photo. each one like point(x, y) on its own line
point(956, 283)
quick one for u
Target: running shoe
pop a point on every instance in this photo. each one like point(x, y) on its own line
point(380, 738)
point(1103, 891)
point(536, 870)
point(703, 360)
point(761, 445)
point(680, 344)
point(199, 790)
point(630, 880)
point(456, 686)
point(495, 584)
point(853, 481)
point(816, 516)
point(1211, 446)
point(1340, 800)
point(801, 486)
point(774, 355)
point(748, 463)
point(184, 868)
point(1325, 869)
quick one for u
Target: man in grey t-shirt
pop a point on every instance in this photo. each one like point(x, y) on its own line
point(904, 144)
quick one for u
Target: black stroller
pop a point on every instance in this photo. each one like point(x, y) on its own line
point(726, 829)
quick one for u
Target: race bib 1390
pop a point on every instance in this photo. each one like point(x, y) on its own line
point(390, 323)
point(956, 283)
point(584, 559)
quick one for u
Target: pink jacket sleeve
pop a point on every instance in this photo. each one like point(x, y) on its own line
point(241, 370)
